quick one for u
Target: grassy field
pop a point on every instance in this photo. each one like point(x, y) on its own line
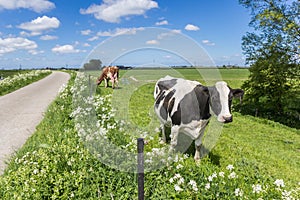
point(257, 146)
point(253, 158)
point(256, 143)
point(6, 73)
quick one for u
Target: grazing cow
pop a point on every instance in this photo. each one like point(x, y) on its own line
point(185, 106)
point(109, 73)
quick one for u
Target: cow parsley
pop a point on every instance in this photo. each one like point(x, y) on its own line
point(257, 188)
point(230, 167)
point(194, 185)
point(207, 186)
point(178, 188)
point(279, 183)
point(232, 175)
point(238, 192)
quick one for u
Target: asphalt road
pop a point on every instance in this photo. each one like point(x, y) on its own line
point(22, 110)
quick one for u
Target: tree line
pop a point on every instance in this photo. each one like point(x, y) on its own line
point(273, 52)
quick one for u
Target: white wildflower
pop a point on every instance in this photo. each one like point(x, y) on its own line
point(232, 175)
point(229, 167)
point(221, 174)
point(194, 185)
point(171, 180)
point(179, 166)
point(177, 176)
point(286, 194)
point(214, 175)
point(180, 181)
point(256, 188)
point(207, 186)
point(210, 178)
point(238, 192)
point(279, 183)
point(178, 188)
point(35, 171)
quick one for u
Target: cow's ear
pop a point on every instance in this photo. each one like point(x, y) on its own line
point(238, 93)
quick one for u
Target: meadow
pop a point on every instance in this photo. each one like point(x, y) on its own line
point(71, 155)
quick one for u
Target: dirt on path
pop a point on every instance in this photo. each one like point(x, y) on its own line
point(22, 110)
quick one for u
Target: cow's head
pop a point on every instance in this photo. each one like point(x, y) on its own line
point(220, 100)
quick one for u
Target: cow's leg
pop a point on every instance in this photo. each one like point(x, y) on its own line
point(163, 133)
point(106, 84)
point(112, 83)
point(198, 143)
point(174, 136)
point(116, 82)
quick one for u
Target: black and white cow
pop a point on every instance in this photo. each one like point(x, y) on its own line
point(185, 106)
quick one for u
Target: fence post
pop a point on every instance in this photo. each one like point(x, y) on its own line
point(140, 161)
point(90, 85)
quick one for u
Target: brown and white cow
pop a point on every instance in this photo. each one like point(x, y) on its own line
point(109, 73)
point(186, 105)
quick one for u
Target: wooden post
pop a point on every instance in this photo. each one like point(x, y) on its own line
point(140, 166)
point(90, 86)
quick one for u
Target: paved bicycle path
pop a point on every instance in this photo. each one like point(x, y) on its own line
point(22, 110)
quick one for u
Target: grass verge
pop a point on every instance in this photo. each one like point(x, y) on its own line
point(17, 81)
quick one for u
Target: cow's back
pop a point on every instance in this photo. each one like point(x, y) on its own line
point(180, 101)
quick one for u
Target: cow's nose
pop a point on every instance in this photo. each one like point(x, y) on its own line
point(228, 119)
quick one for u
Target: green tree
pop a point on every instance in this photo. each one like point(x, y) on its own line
point(272, 51)
point(93, 64)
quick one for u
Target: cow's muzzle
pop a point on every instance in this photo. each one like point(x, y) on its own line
point(227, 119)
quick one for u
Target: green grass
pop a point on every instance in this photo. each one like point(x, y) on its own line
point(260, 144)
point(260, 147)
point(55, 163)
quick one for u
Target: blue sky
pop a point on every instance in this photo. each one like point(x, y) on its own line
point(60, 33)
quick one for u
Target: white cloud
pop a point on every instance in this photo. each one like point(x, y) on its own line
point(48, 37)
point(115, 32)
point(209, 43)
point(171, 33)
point(35, 5)
point(86, 32)
point(191, 27)
point(26, 34)
point(113, 10)
point(120, 31)
point(16, 43)
point(164, 22)
point(40, 24)
point(152, 42)
point(35, 52)
point(93, 38)
point(65, 49)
